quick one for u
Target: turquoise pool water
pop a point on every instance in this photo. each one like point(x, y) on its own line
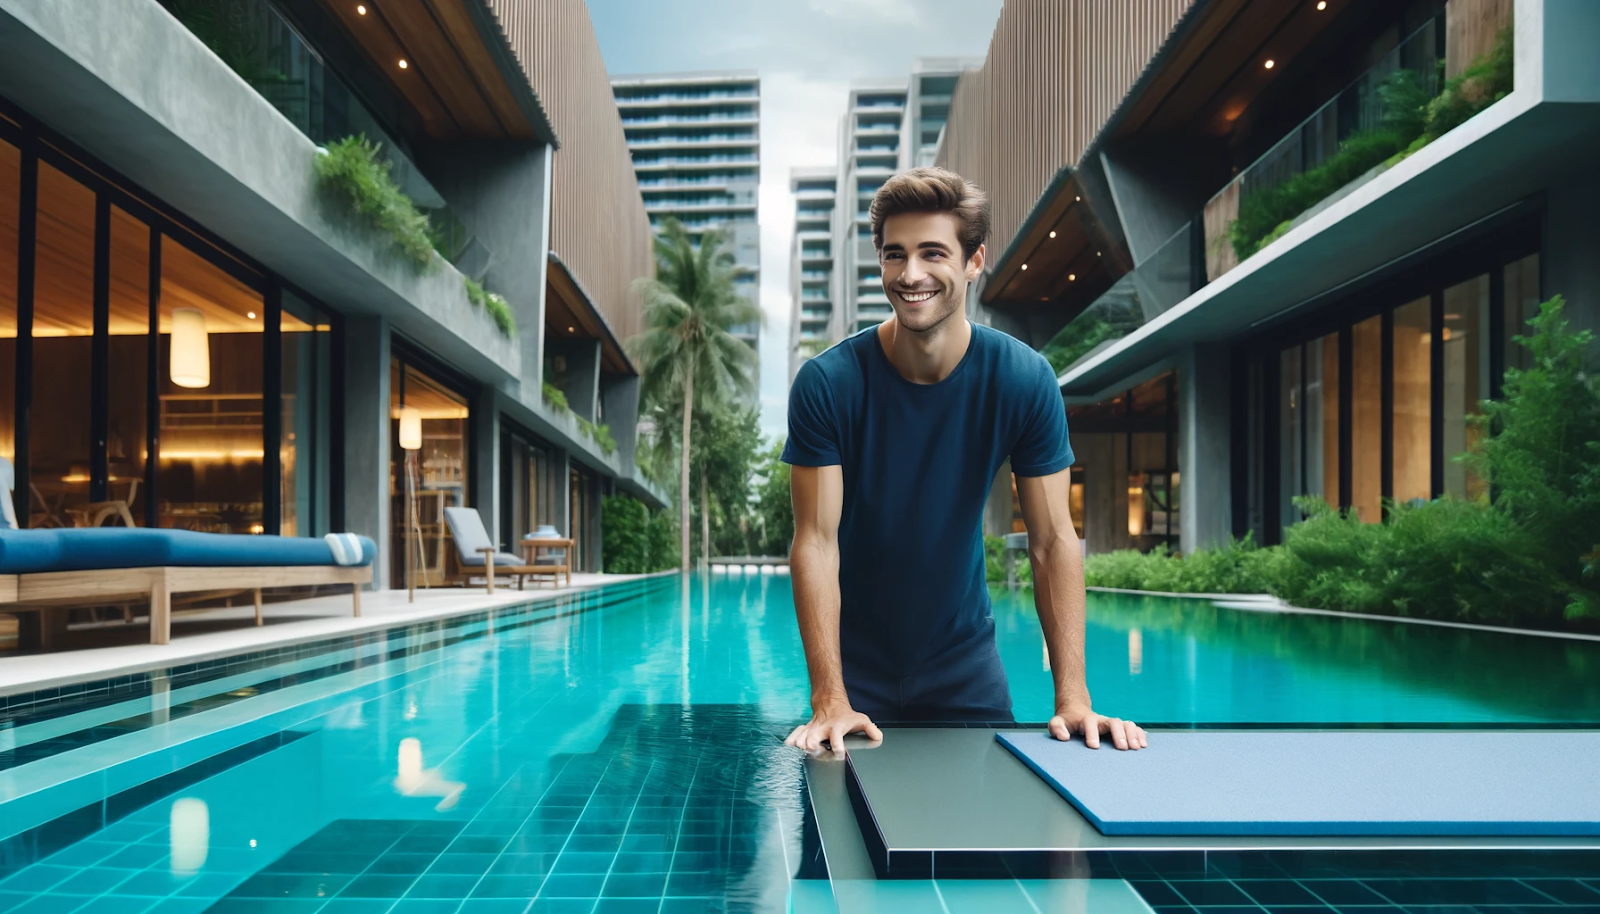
point(621, 751)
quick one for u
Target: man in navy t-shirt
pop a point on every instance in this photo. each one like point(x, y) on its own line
point(895, 437)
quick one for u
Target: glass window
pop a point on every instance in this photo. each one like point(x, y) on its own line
point(1413, 402)
point(1322, 418)
point(439, 466)
point(59, 450)
point(211, 430)
point(1522, 305)
point(305, 434)
point(128, 368)
point(1366, 419)
point(1291, 433)
point(10, 193)
point(1466, 379)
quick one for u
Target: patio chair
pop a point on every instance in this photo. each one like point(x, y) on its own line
point(473, 550)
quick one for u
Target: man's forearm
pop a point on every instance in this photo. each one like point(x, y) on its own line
point(1058, 596)
point(814, 571)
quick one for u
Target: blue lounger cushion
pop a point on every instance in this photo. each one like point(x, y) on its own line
point(86, 549)
point(1333, 783)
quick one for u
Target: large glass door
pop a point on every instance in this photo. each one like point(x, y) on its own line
point(438, 470)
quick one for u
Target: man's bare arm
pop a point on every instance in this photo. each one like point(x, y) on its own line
point(1057, 561)
point(818, 494)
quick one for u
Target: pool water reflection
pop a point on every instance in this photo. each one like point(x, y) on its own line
point(626, 753)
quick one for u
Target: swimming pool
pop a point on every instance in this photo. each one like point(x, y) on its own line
point(621, 751)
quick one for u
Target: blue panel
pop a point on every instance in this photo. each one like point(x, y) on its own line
point(1329, 783)
point(31, 551)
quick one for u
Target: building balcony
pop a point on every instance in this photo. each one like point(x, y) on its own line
point(716, 161)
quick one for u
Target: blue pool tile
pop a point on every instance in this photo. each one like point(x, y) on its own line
point(477, 845)
point(1567, 891)
point(585, 885)
point(544, 905)
point(291, 885)
point(357, 906)
point(443, 886)
point(9, 900)
point(523, 864)
point(375, 886)
point(136, 857)
point(1342, 893)
point(635, 885)
point(627, 906)
point(710, 905)
point(642, 863)
point(214, 885)
point(586, 842)
point(37, 878)
point(181, 906)
point(1157, 894)
point(1285, 892)
point(521, 886)
point(494, 906)
point(265, 906)
point(646, 844)
point(401, 864)
point(583, 862)
point(426, 906)
point(1456, 892)
point(116, 904)
point(92, 881)
point(462, 864)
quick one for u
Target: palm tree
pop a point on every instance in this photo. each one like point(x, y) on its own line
point(689, 307)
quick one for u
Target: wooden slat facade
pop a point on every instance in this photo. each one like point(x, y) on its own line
point(1055, 71)
point(598, 225)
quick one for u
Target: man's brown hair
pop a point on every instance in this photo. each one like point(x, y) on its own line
point(933, 190)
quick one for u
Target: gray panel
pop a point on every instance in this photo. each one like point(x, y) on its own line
point(958, 789)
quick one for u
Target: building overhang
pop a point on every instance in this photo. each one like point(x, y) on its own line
point(1467, 181)
point(460, 77)
point(569, 313)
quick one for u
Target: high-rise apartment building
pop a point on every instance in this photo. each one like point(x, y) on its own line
point(888, 126)
point(695, 140)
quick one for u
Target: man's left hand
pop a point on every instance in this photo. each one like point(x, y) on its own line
point(1125, 734)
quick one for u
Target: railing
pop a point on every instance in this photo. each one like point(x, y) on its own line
point(686, 118)
point(258, 44)
point(638, 96)
point(814, 274)
point(814, 252)
point(815, 294)
point(1371, 119)
point(678, 139)
point(1160, 281)
point(692, 160)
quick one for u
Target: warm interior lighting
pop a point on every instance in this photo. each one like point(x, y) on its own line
point(410, 428)
point(1024, 266)
point(1078, 199)
point(1072, 277)
point(257, 529)
point(211, 456)
point(191, 349)
point(403, 63)
point(572, 329)
point(250, 314)
point(1052, 234)
point(1270, 63)
point(361, 9)
point(1322, 5)
point(1135, 506)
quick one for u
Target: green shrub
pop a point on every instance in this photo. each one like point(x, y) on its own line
point(354, 172)
point(994, 567)
point(555, 398)
point(600, 434)
point(663, 535)
point(1239, 567)
point(1541, 453)
point(1489, 79)
point(499, 309)
point(624, 535)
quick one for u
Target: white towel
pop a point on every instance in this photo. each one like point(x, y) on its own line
point(346, 548)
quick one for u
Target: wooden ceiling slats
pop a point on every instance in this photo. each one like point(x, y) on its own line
point(451, 79)
point(457, 23)
point(435, 59)
point(1238, 52)
point(386, 52)
point(567, 306)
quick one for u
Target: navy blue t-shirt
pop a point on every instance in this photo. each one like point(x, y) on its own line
point(918, 462)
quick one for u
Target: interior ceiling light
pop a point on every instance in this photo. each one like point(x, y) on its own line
point(361, 9)
point(1024, 266)
point(1322, 5)
point(1072, 277)
point(572, 330)
point(250, 314)
point(1052, 234)
point(403, 63)
point(1270, 63)
point(1078, 199)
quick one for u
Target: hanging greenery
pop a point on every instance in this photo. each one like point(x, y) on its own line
point(493, 302)
point(354, 173)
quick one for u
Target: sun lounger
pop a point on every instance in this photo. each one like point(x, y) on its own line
point(89, 566)
point(472, 544)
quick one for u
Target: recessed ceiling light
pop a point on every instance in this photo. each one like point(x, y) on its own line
point(1270, 63)
point(1024, 266)
point(1322, 4)
point(1078, 199)
point(1044, 298)
point(361, 9)
point(1072, 277)
point(1052, 234)
point(250, 314)
point(403, 63)
point(572, 330)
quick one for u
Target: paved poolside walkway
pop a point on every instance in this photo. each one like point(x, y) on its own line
point(204, 634)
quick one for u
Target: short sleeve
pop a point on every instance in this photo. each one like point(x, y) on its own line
point(1042, 447)
point(813, 421)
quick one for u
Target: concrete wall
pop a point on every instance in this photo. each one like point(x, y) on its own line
point(1205, 514)
point(366, 436)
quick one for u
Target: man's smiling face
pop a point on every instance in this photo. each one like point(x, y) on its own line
point(925, 274)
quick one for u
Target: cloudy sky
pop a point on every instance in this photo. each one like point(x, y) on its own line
point(808, 52)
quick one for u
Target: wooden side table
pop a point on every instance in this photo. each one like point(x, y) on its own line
point(530, 553)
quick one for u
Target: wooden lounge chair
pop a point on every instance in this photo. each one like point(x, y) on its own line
point(56, 567)
point(473, 547)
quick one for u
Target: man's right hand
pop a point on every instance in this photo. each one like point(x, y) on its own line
point(830, 723)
